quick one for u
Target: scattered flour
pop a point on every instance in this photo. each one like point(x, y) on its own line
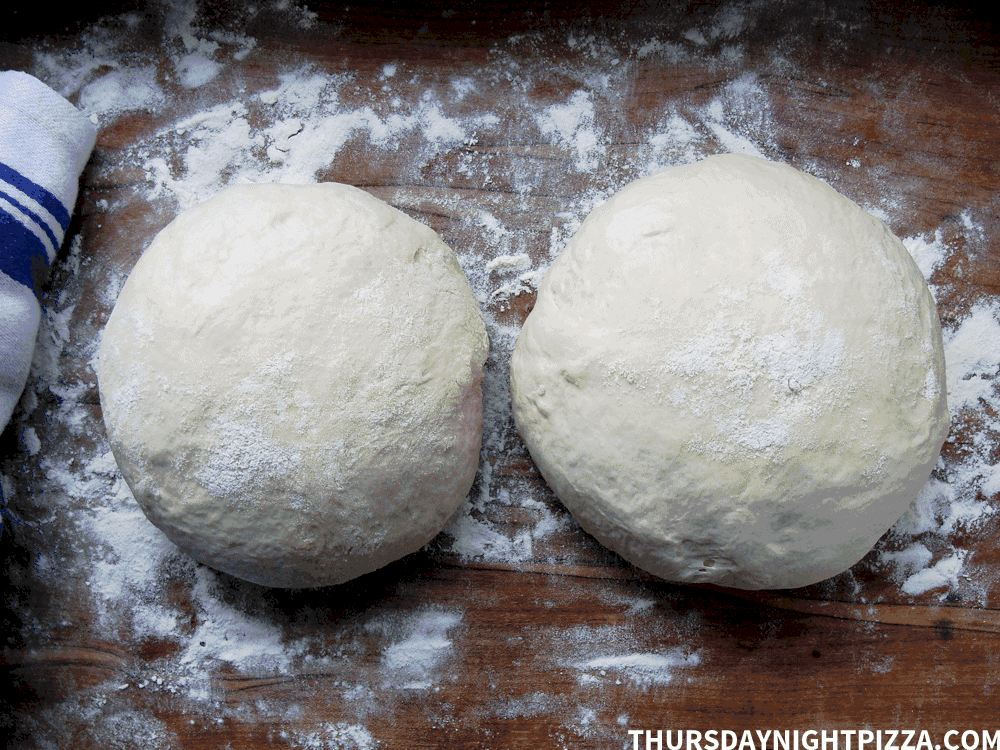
point(119, 92)
point(957, 497)
point(332, 736)
point(642, 668)
point(971, 354)
point(293, 132)
point(196, 70)
point(412, 663)
point(907, 561)
point(571, 125)
point(944, 573)
point(228, 634)
point(928, 253)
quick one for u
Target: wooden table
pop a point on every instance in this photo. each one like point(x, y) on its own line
point(499, 125)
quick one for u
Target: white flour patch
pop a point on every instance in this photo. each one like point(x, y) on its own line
point(907, 561)
point(226, 633)
point(670, 51)
point(517, 276)
point(943, 574)
point(972, 352)
point(642, 668)
point(413, 662)
point(476, 539)
point(332, 736)
point(30, 441)
point(305, 127)
point(571, 125)
point(740, 118)
point(957, 497)
point(928, 254)
point(119, 92)
point(196, 70)
point(530, 705)
point(674, 142)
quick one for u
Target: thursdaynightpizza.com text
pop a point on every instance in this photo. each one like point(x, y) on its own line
point(814, 739)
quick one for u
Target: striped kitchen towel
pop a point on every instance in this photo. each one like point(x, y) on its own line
point(44, 144)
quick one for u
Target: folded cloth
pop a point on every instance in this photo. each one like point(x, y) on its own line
point(44, 144)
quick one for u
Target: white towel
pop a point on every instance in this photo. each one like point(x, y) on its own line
point(44, 144)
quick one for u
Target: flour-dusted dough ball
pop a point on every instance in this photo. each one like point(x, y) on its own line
point(733, 374)
point(291, 383)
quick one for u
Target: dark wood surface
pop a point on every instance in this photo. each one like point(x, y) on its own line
point(543, 639)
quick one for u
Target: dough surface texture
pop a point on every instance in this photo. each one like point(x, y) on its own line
point(733, 375)
point(291, 383)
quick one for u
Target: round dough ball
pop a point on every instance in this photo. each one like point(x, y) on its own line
point(291, 382)
point(733, 374)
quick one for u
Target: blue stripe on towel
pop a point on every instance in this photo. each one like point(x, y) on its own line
point(48, 201)
point(39, 221)
point(22, 254)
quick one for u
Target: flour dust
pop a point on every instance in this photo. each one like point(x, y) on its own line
point(438, 133)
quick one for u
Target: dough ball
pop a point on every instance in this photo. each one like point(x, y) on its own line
point(734, 375)
point(291, 383)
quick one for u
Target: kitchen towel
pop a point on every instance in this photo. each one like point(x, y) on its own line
point(44, 144)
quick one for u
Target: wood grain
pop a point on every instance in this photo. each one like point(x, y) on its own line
point(894, 104)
